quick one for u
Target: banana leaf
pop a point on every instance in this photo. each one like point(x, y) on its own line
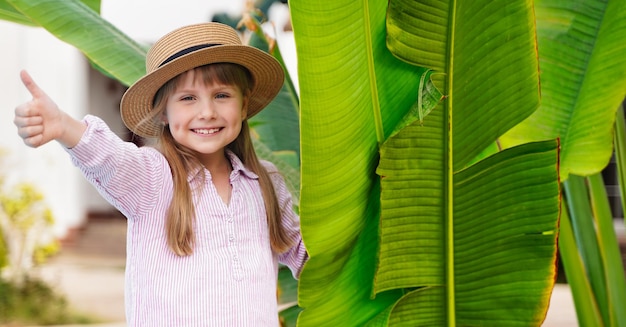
point(583, 81)
point(587, 310)
point(609, 250)
point(77, 23)
point(279, 122)
point(620, 153)
point(444, 244)
point(584, 233)
point(8, 13)
point(339, 200)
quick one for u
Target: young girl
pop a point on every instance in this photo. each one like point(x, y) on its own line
point(208, 222)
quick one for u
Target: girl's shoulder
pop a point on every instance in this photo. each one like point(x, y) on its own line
point(274, 173)
point(269, 166)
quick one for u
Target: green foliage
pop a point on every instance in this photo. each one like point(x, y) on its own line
point(261, 12)
point(8, 12)
point(27, 223)
point(583, 81)
point(4, 251)
point(581, 48)
point(26, 241)
point(33, 302)
point(20, 207)
point(434, 241)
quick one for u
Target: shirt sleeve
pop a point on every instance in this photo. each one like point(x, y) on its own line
point(296, 256)
point(127, 176)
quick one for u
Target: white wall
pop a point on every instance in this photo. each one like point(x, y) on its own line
point(60, 70)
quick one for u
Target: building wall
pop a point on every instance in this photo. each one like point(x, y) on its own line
point(103, 100)
point(61, 71)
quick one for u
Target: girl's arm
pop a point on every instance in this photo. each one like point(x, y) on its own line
point(40, 120)
point(127, 177)
point(296, 256)
point(130, 178)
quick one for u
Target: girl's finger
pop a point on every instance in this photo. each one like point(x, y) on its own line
point(33, 141)
point(20, 121)
point(26, 109)
point(30, 84)
point(30, 131)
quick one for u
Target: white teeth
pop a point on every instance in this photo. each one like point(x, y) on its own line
point(207, 131)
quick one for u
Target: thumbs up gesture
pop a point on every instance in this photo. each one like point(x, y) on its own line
point(40, 120)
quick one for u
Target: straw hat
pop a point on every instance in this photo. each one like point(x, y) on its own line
point(193, 46)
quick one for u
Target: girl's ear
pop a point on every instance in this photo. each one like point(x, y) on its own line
point(164, 120)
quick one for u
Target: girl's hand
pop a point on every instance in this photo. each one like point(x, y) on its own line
point(40, 120)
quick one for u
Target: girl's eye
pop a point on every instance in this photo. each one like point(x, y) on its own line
point(221, 96)
point(187, 98)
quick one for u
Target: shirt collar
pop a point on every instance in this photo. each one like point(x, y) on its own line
point(238, 167)
point(235, 162)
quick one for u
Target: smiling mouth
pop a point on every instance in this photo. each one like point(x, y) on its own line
point(206, 131)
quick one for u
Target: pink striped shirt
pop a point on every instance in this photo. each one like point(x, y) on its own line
point(230, 279)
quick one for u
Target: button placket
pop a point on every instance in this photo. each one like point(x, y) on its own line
point(232, 248)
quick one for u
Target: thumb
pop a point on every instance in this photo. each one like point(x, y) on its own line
point(30, 84)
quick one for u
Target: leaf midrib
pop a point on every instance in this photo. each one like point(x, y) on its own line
point(378, 120)
point(577, 96)
point(449, 228)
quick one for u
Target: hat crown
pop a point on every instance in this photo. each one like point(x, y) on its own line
point(179, 40)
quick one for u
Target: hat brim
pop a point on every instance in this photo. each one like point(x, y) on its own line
point(267, 73)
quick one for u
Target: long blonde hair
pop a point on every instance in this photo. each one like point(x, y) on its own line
point(181, 214)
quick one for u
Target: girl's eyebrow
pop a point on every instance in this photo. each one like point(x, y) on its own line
point(198, 86)
point(221, 86)
point(184, 90)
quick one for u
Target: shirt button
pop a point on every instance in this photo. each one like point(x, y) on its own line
point(231, 238)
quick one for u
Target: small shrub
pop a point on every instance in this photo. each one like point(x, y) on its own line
point(33, 302)
point(26, 240)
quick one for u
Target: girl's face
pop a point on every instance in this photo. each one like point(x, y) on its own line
point(205, 117)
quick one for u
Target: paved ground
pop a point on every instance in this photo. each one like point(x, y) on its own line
point(92, 277)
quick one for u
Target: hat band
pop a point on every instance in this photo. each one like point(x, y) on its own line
point(186, 51)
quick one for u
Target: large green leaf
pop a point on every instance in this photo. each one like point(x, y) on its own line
point(504, 234)
point(587, 310)
point(438, 220)
point(76, 23)
point(486, 50)
point(348, 82)
point(583, 81)
point(620, 152)
point(7, 12)
point(353, 95)
point(609, 250)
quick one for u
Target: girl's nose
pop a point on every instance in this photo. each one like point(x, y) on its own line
point(206, 111)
